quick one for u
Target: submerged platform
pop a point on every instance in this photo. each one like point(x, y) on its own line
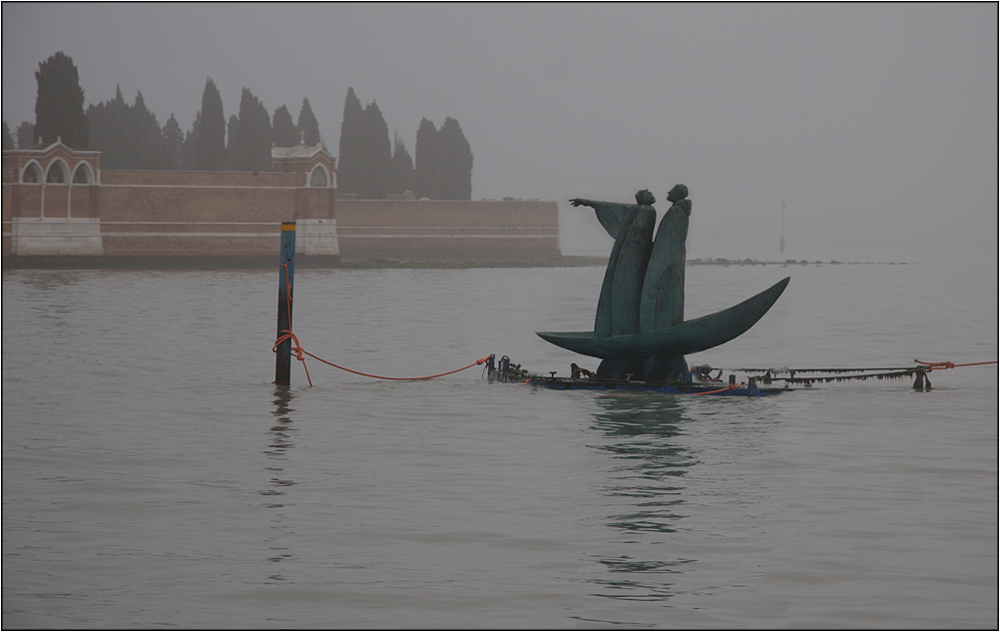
point(506, 372)
point(749, 389)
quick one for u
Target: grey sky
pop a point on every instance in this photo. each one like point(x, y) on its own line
point(875, 123)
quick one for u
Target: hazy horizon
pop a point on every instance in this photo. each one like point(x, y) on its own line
point(876, 124)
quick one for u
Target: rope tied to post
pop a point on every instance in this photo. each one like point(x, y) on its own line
point(300, 354)
point(297, 350)
point(399, 379)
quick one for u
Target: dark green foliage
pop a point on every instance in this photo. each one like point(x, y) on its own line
point(108, 124)
point(59, 105)
point(231, 133)
point(443, 169)
point(210, 144)
point(8, 138)
point(173, 139)
point(250, 136)
point(400, 169)
point(365, 151)
point(308, 124)
point(283, 132)
point(350, 163)
point(26, 135)
point(376, 157)
point(128, 135)
point(186, 162)
point(258, 128)
point(456, 162)
point(427, 161)
point(150, 147)
point(130, 138)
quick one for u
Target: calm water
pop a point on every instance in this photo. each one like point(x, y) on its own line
point(152, 476)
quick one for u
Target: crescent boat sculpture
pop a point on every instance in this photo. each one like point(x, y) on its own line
point(639, 330)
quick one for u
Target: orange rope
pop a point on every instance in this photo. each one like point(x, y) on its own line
point(286, 333)
point(731, 387)
point(400, 379)
point(296, 349)
point(950, 365)
point(300, 353)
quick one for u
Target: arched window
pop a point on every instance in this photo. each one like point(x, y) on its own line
point(82, 175)
point(32, 174)
point(318, 177)
point(57, 173)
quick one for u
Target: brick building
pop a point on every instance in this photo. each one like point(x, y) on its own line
point(59, 206)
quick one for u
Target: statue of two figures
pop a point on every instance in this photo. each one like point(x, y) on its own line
point(639, 331)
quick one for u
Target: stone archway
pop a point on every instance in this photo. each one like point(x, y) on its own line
point(58, 172)
point(32, 173)
point(83, 174)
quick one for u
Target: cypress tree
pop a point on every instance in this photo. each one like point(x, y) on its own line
point(308, 124)
point(250, 136)
point(377, 153)
point(260, 123)
point(210, 146)
point(59, 104)
point(456, 162)
point(25, 135)
point(350, 169)
point(189, 145)
point(148, 146)
point(8, 138)
point(128, 135)
point(426, 161)
point(283, 131)
point(109, 131)
point(232, 134)
point(173, 139)
point(400, 168)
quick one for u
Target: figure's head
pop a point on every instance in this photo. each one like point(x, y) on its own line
point(645, 198)
point(678, 193)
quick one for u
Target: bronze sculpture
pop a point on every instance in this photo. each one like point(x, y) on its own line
point(639, 330)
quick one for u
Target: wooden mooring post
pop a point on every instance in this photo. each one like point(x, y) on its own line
point(286, 278)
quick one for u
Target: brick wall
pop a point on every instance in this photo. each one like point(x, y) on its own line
point(165, 213)
point(437, 229)
point(197, 214)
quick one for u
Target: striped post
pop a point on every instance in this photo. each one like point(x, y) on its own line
point(286, 277)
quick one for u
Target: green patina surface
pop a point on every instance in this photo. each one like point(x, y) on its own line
point(639, 330)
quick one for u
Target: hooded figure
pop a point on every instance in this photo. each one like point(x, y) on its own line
point(639, 331)
point(619, 306)
point(644, 283)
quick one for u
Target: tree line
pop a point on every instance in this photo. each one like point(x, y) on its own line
point(372, 168)
point(130, 137)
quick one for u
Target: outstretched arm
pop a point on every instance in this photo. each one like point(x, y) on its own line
point(611, 214)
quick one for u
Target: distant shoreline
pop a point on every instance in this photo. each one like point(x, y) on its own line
point(302, 261)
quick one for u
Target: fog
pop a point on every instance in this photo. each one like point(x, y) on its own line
point(876, 124)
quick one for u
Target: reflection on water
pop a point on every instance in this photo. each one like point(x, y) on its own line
point(279, 442)
point(51, 301)
point(282, 431)
point(650, 463)
point(641, 434)
point(48, 280)
point(150, 488)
